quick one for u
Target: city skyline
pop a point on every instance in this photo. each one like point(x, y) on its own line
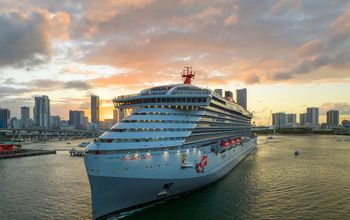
point(288, 54)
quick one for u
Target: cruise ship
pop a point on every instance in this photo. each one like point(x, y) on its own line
point(178, 138)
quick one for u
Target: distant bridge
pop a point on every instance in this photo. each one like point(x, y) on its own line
point(46, 134)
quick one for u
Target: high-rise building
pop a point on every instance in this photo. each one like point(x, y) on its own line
point(5, 115)
point(85, 122)
point(15, 123)
point(312, 117)
point(115, 116)
point(333, 118)
point(241, 97)
point(218, 91)
point(95, 109)
point(76, 119)
point(302, 119)
point(279, 120)
point(55, 122)
point(42, 111)
point(291, 120)
point(25, 117)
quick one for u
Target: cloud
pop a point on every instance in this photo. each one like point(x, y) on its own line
point(309, 48)
point(60, 25)
point(42, 85)
point(78, 85)
point(231, 20)
point(24, 39)
point(10, 91)
point(342, 107)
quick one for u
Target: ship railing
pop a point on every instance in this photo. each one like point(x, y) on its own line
point(126, 96)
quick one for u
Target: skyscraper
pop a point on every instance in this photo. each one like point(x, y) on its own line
point(218, 91)
point(115, 115)
point(291, 120)
point(95, 109)
point(333, 118)
point(76, 118)
point(302, 119)
point(312, 117)
point(279, 120)
point(55, 122)
point(25, 117)
point(5, 116)
point(241, 97)
point(42, 111)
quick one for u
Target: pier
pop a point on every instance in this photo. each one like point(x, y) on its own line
point(42, 134)
point(27, 153)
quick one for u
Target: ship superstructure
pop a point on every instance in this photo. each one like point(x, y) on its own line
point(177, 139)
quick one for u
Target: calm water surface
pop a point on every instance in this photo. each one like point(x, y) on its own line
point(269, 184)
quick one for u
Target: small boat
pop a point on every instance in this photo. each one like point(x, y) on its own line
point(68, 143)
point(84, 144)
point(269, 137)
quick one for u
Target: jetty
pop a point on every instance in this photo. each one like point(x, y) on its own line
point(26, 153)
point(76, 153)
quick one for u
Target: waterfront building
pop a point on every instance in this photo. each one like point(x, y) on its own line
point(65, 125)
point(291, 120)
point(106, 124)
point(345, 123)
point(85, 122)
point(76, 119)
point(15, 123)
point(95, 109)
point(218, 91)
point(312, 117)
point(25, 117)
point(241, 97)
point(5, 115)
point(279, 120)
point(55, 122)
point(115, 116)
point(302, 119)
point(332, 118)
point(42, 111)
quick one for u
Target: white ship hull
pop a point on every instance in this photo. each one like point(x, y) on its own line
point(118, 185)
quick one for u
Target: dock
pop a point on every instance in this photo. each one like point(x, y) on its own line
point(27, 153)
point(76, 153)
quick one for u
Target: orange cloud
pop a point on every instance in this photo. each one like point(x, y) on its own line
point(60, 24)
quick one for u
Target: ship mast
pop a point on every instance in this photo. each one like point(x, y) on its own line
point(187, 74)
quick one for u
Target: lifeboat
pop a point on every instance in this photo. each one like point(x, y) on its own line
point(225, 144)
point(232, 141)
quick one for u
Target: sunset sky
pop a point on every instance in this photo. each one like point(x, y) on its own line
point(289, 54)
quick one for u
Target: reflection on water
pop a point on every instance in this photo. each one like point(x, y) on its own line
point(271, 183)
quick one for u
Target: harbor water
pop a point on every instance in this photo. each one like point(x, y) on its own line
point(271, 183)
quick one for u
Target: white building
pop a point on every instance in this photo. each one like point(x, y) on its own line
point(42, 112)
point(279, 120)
point(25, 117)
point(291, 120)
point(241, 97)
point(312, 117)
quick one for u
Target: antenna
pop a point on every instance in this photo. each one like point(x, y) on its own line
point(188, 74)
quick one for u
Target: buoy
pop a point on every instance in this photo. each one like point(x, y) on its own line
point(296, 153)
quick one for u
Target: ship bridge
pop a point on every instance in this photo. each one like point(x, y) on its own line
point(184, 95)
